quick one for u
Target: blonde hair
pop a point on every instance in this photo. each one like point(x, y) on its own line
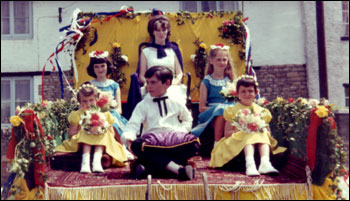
point(87, 89)
point(230, 71)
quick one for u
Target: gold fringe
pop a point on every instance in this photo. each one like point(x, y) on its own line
point(181, 192)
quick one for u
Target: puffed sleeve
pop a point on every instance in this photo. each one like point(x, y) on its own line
point(74, 118)
point(267, 118)
point(229, 113)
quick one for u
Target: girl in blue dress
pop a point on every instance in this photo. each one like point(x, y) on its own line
point(99, 68)
point(219, 72)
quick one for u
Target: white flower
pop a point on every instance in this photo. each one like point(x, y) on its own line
point(125, 58)
point(193, 56)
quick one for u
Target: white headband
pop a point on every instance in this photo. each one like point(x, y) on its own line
point(219, 46)
point(98, 54)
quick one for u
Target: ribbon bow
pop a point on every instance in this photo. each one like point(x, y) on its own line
point(159, 106)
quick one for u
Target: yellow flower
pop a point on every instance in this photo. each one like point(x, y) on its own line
point(203, 45)
point(116, 45)
point(16, 120)
point(279, 99)
point(137, 19)
point(321, 111)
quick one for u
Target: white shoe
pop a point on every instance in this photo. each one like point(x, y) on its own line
point(85, 164)
point(267, 168)
point(96, 164)
point(252, 171)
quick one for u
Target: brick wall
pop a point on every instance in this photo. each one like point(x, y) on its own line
point(52, 87)
point(287, 81)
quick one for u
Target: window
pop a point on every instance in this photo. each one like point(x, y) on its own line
point(16, 20)
point(346, 86)
point(15, 91)
point(206, 6)
point(345, 10)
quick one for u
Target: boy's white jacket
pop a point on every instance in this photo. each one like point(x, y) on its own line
point(147, 112)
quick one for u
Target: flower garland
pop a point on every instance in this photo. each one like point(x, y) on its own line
point(119, 60)
point(200, 58)
point(289, 126)
point(53, 119)
point(233, 30)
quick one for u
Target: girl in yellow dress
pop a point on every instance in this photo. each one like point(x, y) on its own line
point(250, 131)
point(99, 134)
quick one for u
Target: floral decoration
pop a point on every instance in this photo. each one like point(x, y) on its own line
point(106, 102)
point(94, 122)
point(200, 58)
point(250, 122)
point(229, 92)
point(233, 30)
point(119, 60)
point(289, 126)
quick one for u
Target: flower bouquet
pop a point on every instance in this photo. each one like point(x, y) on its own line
point(94, 122)
point(229, 92)
point(106, 102)
point(250, 122)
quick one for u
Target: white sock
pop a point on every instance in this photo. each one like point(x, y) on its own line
point(249, 160)
point(265, 159)
point(173, 167)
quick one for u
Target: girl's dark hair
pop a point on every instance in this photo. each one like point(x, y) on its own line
point(154, 21)
point(247, 82)
point(93, 60)
point(162, 73)
point(87, 91)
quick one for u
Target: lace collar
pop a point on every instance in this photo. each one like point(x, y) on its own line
point(102, 84)
point(215, 82)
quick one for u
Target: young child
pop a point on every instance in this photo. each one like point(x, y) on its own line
point(165, 143)
point(236, 140)
point(99, 68)
point(219, 72)
point(87, 95)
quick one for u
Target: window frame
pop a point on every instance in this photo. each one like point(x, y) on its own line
point(346, 87)
point(13, 93)
point(12, 35)
point(237, 6)
point(345, 24)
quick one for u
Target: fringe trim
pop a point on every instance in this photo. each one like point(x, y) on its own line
point(161, 191)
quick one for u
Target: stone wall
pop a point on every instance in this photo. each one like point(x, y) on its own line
point(287, 81)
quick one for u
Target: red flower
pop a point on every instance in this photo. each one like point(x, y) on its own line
point(102, 101)
point(98, 52)
point(233, 93)
point(95, 120)
point(290, 100)
point(266, 102)
point(219, 45)
point(253, 127)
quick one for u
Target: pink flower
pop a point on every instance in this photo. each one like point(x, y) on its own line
point(102, 101)
point(245, 111)
point(253, 127)
point(225, 22)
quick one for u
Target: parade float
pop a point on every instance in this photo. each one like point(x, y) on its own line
point(313, 167)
